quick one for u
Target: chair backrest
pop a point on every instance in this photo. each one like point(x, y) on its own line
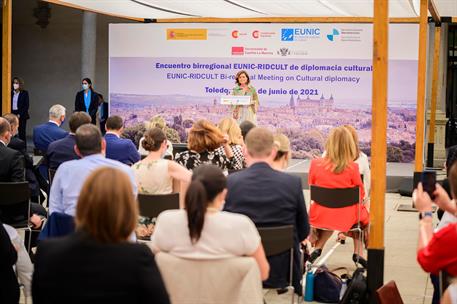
point(152, 205)
point(276, 240)
point(51, 174)
point(178, 148)
point(13, 193)
point(389, 294)
point(232, 280)
point(335, 197)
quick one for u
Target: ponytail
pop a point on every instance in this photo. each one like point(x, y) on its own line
point(196, 202)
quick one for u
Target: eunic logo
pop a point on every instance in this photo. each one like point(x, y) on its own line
point(255, 34)
point(300, 34)
point(235, 34)
point(237, 50)
point(334, 33)
point(287, 34)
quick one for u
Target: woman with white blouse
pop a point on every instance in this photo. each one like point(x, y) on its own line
point(202, 230)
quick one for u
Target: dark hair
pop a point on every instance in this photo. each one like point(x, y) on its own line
point(78, 119)
point(452, 176)
point(153, 139)
point(245, 127)
point(11, 118)
point(238, 76)
point(114, 123)
point(88, 139)
point(207, 182)
point(451, 158)
point(88, 81)
point(20, 81)
point(280, 154)
point(4, 126)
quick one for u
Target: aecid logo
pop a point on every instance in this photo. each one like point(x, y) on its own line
point(255, 34)
point(235, 34)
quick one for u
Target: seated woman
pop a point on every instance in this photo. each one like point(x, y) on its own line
point(203, 141)
point(202, 230)
point(437, 251)
point(336, 170)
point(156, 122)
point(229, 127)
point(156, 175)
point(97, 264)
point(283, 153)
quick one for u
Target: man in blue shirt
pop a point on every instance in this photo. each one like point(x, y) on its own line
point(71, 175)
point(118, 148)
point(63, 150)
point(46, 133)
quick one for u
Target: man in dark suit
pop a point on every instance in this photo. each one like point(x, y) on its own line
point(20, 105)
point(87, 100)
point(269, 198)
point(63, 150)
point(46, 133)
point(118, 148)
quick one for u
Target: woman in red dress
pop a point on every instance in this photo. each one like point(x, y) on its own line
point(336, 169)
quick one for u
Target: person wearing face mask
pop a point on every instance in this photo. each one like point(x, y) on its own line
point(244, 88)
point(50, 131)
point(20, 105)
point(87, 100)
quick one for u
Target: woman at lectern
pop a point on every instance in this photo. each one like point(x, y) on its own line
point(244, 88)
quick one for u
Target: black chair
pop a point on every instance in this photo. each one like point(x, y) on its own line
point(339, 198)
point(51, 174)
point(152, 205)
point(15, 206)
point(277, 240)
point(179, 147)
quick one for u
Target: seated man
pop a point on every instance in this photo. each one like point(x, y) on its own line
point(118, 148)
point(12, 170)
point(70, 176)
point(63, 150)
point(269, 198)
point(46, 133)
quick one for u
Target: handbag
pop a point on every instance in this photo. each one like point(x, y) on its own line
point(357, 290)
point(327, 285)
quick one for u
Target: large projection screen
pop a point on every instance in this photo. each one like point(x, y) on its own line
point(309, 77)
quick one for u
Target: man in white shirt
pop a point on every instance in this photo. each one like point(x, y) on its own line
point(71, 175)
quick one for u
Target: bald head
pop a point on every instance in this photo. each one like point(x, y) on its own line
point(5, 130)
point(259, 143)
point(88, 140)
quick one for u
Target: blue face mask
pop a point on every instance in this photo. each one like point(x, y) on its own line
point(85, 86)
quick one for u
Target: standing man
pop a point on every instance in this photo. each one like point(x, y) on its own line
point(20, 105)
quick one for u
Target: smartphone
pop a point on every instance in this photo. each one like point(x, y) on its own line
point(428, 180)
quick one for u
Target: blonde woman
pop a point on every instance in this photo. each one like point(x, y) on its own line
point(283, 153)
point(229, 127)
point(336, 169)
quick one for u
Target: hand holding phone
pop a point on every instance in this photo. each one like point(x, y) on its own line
point(428, 180)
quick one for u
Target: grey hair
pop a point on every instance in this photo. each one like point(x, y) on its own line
point(56, 111)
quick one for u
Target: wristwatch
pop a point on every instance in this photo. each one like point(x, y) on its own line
point(425, 214)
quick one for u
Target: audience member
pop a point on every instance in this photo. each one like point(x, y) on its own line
point(229, 127)
point(63, 150)
point(283, 154)
point(156, 122)
point(103, 111)
point(46, 133)
point(70, 176)
point(9, 293)
point(97, 264)
point(155, 175)
point(118, 148)
point(19, 145)
point(20, 106)
point(24, 266)
point(202, 230)
point(245, 127)
point(362, 161)
point(270, 198)
point(203, 141)
point(337, 169)
point(437, 252)
point(87, 101)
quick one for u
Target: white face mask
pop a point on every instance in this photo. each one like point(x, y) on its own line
point(16, 86)
point(85, 86)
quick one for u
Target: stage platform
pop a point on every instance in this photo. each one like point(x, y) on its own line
point(397, 173)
